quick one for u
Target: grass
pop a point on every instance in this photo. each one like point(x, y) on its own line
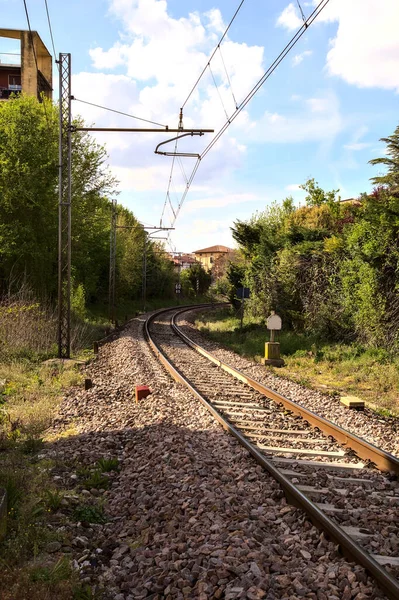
point(345, 369)
point(30, 393)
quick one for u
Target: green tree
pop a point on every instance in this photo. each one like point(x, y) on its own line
point(391, 179)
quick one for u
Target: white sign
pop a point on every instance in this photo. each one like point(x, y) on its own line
point(274, 322)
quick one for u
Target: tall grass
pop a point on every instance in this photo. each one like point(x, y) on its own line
point(28, 328)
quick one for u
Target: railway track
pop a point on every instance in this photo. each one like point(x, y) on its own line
point(348, 487)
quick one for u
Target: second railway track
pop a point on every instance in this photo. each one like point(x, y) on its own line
point(348, 487)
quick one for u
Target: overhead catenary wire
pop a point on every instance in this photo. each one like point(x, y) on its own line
point(189, 95)
point(288, 47)
point(51, 31)
point(301, 11)
point(228, 78)
point(213, 53)
point(218, 91)
point(35, 57)
point(119, 112)
point(167, 197)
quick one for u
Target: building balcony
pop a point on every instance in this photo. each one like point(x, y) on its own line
point(5, 93)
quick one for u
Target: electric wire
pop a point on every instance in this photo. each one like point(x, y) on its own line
point(312, 17)
point(228, 78)
point(214, 52)
point(190, 93)
point(169, 183)
point(35, 57)
point(294, 40)
point(300, 8)
point(119, 112)
point(51, 32)
point(217, 89)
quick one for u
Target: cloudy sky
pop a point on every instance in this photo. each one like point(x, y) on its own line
point(320, 114)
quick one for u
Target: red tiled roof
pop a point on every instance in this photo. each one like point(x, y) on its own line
point(213, 249)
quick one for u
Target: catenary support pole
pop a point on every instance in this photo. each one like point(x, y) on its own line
point(64, 208)
point(112, 262)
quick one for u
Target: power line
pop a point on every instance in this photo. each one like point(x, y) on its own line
point(217, 89)
point(250, 95)
point(35, 57)
point(214, 52)
point(119, 112)
point(167, 197)
point(300, 8)
point(228, 78)
point(51, 32)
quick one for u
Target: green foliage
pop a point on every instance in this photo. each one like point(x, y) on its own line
point(60, 571)
point(390, 180)
point(97, 480)
point(78, 301)
point(195, 280)
point(52, 499)
point(29, 215)
point(108, 464)
point(329, 269)
point(89, 513)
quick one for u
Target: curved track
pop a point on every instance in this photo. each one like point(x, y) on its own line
point(356, 502)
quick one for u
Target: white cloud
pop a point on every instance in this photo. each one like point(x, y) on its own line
point(357, 146)
point(298, 58)
point(219, 201)
point(289, 18)
point(293, 187)
point(161, 57)
point(365, 49)
point(317, 119)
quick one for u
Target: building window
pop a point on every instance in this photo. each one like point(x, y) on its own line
point(211, 259)
point(14, 82)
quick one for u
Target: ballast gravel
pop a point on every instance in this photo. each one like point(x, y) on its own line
point(381, 431)
point(189, 514)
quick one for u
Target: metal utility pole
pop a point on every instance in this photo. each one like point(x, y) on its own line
point(64, 208)
point(112, 262)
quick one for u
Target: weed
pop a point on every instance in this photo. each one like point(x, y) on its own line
point(53, 500)
point(83, 472)
point(13, 486)
point(108, 464)
point(83, 592)
point(32, 445)
point(89, 513)
point(97, 480)
point(52, 575)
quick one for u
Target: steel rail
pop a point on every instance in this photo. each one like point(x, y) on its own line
point(365, 450)
point(349, 547)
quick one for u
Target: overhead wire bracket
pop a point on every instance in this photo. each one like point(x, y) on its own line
point(178, 137)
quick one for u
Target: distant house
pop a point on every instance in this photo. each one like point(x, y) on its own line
point(26, 77)
point(209, 256)
point(353, 201)
point(182, 261)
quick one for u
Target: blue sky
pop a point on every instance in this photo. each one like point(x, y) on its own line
point(320, 115)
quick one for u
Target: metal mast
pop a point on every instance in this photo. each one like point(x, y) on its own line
point(64, 209)
point(112, 262)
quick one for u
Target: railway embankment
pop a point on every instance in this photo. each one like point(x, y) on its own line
point(333, 369)
point(383, 431)
point(157, 501)
point(188, 513)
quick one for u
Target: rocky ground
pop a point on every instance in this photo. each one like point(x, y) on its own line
point(188, 514)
